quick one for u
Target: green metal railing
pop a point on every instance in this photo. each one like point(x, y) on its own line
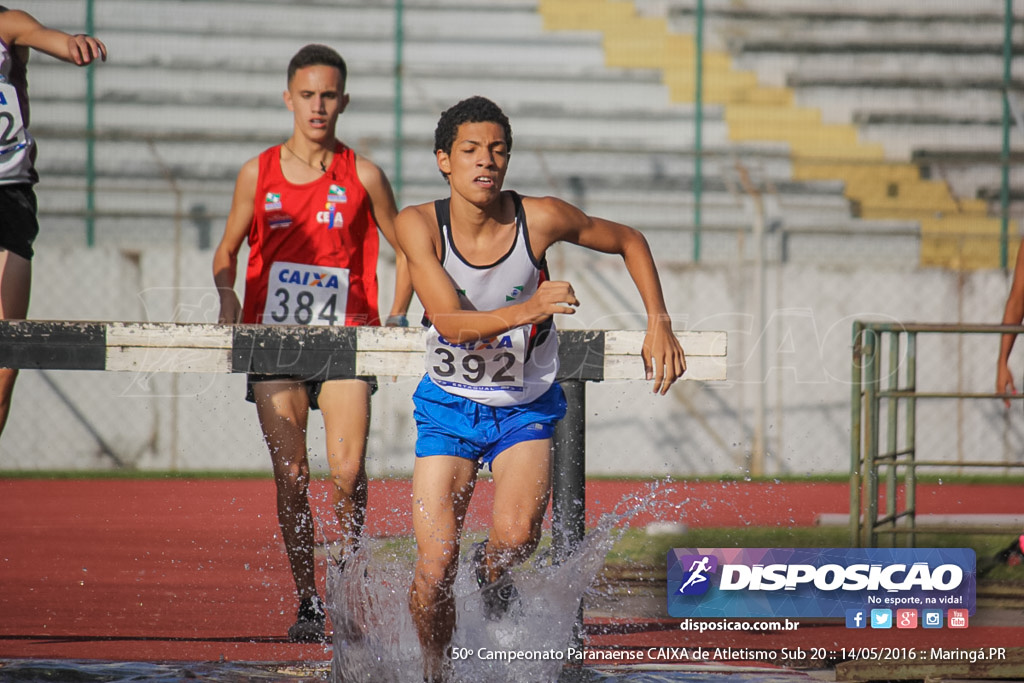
point(90, 134)
point(698, 132)
point(877, 394)
point(1004, 157)
point(398, 177)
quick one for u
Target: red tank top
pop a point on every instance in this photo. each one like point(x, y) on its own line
point(312, 248)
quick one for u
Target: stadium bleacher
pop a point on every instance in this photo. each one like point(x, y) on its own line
point(923, 81)
point(861, 121)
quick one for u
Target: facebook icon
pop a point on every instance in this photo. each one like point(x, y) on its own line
point(856, 618)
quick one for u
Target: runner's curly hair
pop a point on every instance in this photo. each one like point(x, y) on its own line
point(472, 110)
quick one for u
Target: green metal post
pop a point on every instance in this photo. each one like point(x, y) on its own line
point(856, 413)
point(396, 178)
point(892, 414)
point(911, 437)
point(1004, 189)
point(90, 137)
point(871, 344)
point(698, 131)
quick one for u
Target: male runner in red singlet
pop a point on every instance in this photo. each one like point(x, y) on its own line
point(18, 223)
point(310, 209)
point(477, 261)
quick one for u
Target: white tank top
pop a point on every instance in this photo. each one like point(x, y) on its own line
point(516, 367)
point(17, 148)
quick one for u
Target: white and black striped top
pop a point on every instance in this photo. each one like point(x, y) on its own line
point(512, 278)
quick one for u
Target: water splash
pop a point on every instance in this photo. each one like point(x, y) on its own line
point(375, 639)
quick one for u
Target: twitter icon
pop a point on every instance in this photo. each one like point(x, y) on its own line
point(881, 618)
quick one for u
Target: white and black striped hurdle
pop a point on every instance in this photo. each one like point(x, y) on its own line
point(585, 356)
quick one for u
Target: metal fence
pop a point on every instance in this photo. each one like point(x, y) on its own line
point(896, 394)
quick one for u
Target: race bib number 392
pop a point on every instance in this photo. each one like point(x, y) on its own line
point(485, 365)
point(300, 294)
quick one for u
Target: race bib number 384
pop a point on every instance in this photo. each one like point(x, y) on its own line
point(300, 294)
point(485, 365)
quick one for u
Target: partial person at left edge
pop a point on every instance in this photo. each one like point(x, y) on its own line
point(19, 224)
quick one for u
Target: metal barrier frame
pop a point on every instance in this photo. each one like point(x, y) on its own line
point(877, 345)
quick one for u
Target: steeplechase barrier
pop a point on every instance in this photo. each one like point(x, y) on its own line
point(584, 355)
point(885, 454)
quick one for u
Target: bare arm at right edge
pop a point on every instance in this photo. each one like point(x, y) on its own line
point(225, 257)
point(1012, 315)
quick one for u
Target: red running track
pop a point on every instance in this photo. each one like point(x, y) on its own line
point(194, 570)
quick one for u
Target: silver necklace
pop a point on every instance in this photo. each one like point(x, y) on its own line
point(323, 165)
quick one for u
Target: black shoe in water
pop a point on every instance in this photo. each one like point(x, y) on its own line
point(499, 596)
point(309, 623)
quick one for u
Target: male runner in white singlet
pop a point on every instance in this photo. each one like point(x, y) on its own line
point(477, 261)
point(19, 226)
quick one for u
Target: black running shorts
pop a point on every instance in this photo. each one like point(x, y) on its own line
point(18, 223)
point(313, 386)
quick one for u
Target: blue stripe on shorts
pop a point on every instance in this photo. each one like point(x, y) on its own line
point(447, 424)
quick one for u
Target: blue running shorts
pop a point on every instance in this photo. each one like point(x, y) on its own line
point(447, 424)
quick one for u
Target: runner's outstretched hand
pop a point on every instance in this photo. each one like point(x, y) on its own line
point(664, 360)
point(83, 49)
point(1004, 381)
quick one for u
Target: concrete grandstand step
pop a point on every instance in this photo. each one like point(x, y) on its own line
point(867, 9)
point(722, 244)
point(230, 51)
point(136, 190)
point(204, 157)
point(845, 100)
point(651, 132)
point(902, 137)
point(634, 91)
point(780, 19)
point(626, 95)
point(630, 94)
point(918, 43)
point(205, 154)
point(123, 198)
point(875, 171)
point(572, 173)
point(142, 203)
point(985, 182)
point(815, 35)
point(345, 17)
point(773, 62)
